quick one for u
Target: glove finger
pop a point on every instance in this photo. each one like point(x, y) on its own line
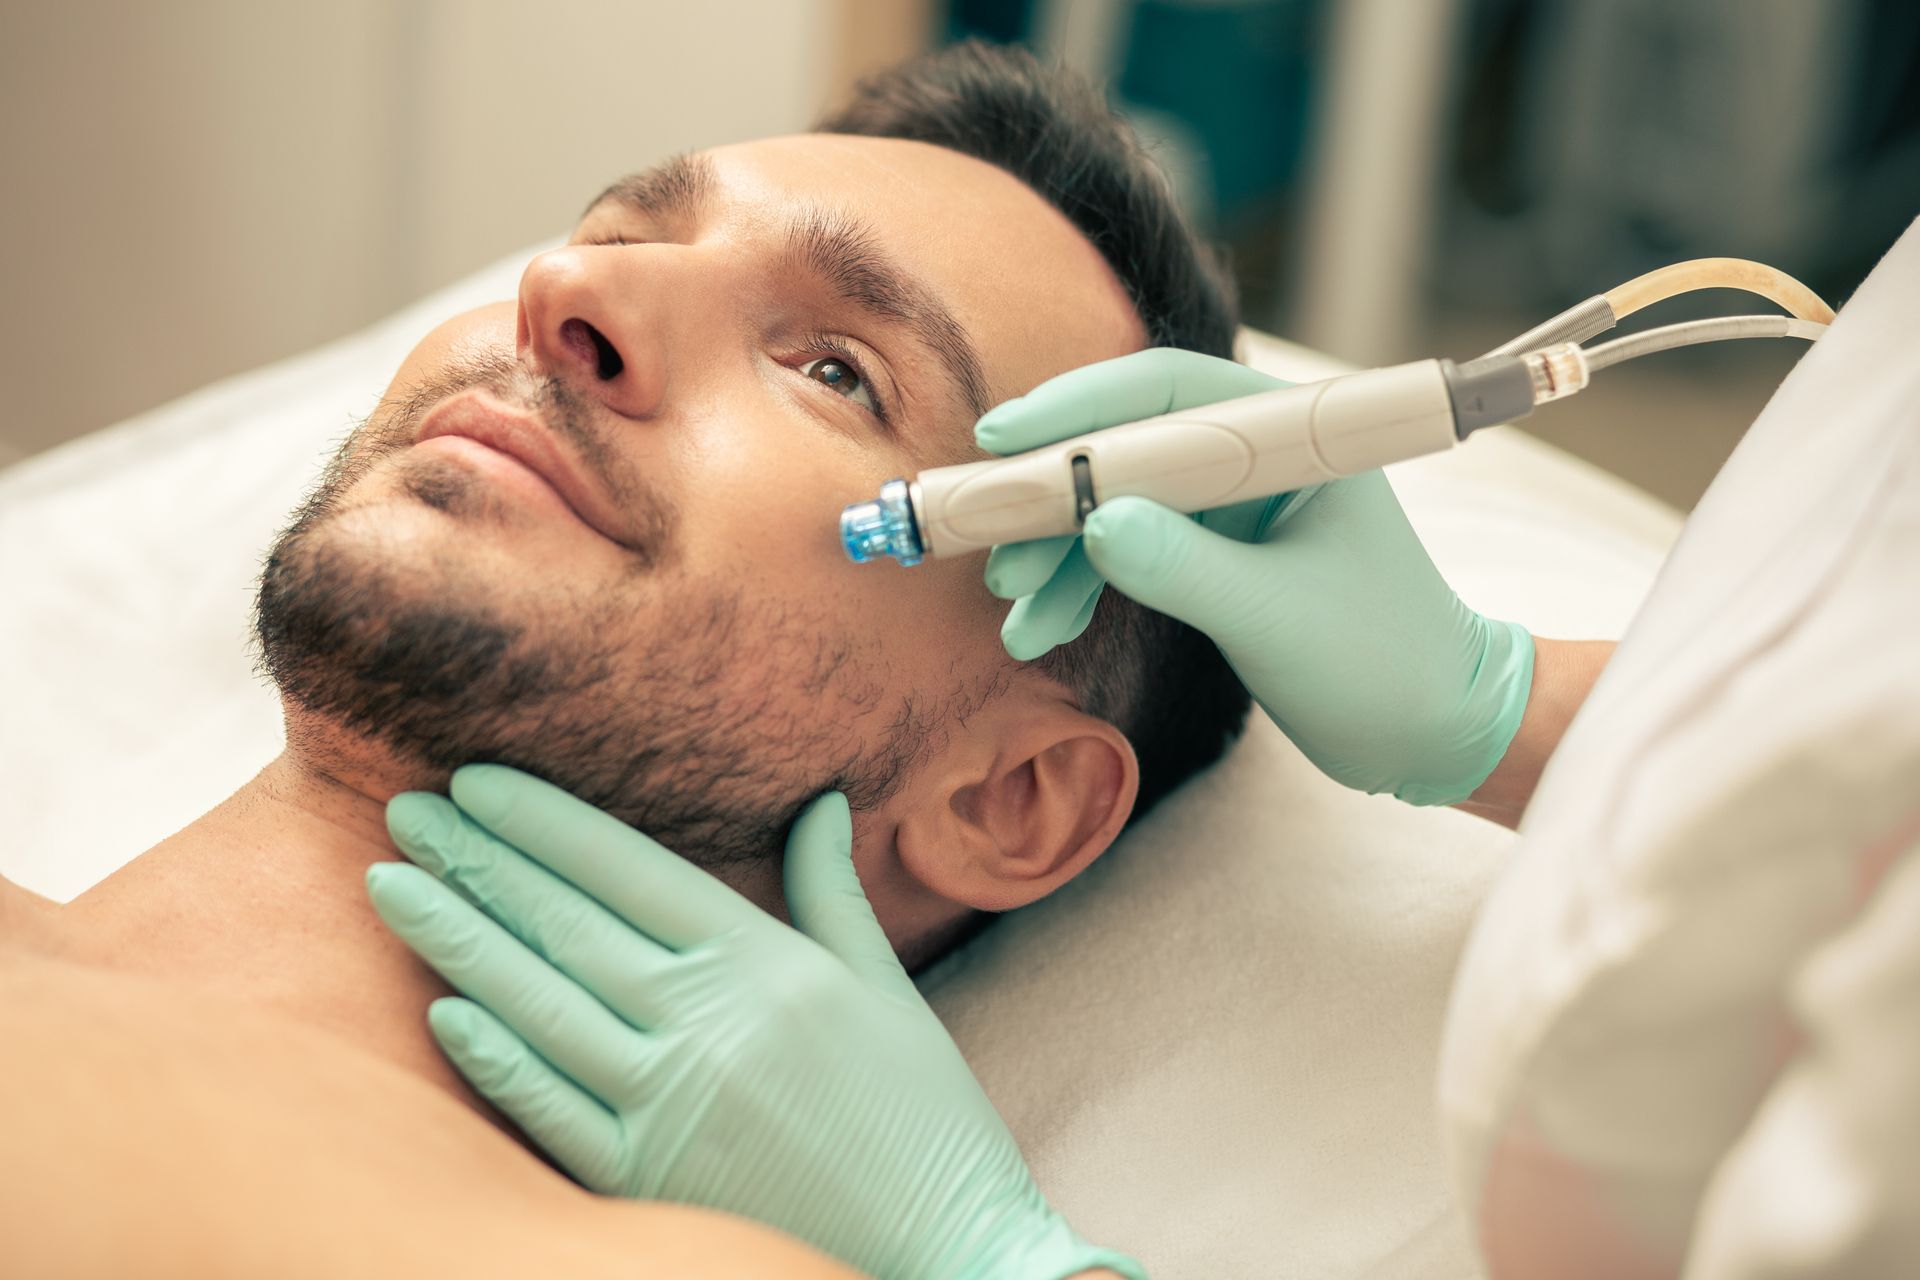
point(549, 1108)
point(1057, 612)
point(1078, 626)
point(1114, 391)
point(551, 1012)
point(1254, 521)
point(621, 967)
point(650, 887)
point(1167, 562)
point(826, 898)
point(1018, 569)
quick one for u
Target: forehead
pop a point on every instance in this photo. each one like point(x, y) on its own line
point(1032, 293)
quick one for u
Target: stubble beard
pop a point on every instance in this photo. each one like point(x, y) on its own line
point(709, 730)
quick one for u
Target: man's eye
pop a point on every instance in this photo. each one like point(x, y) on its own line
point(841, 376)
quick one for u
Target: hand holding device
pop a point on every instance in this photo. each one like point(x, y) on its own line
point(1205, 454)
point(1324, 600)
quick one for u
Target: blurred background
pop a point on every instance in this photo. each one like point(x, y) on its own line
point(197, 188)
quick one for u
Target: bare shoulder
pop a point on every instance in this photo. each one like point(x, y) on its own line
point(155, 1131)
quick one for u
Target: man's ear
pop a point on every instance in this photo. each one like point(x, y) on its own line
point(1029, 794)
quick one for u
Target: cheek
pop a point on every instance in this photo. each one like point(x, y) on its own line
point(923, 629)
point(763, 510)
point(473, 335)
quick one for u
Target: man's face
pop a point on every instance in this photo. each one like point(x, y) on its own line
point(659, 617)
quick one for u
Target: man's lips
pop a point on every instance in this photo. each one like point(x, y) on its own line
point(478, 416)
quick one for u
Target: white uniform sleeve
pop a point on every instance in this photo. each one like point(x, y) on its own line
point(1826, 1181)
point(1687, 981)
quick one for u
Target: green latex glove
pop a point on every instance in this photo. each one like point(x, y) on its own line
point(1323, 600)
point(662, 1037)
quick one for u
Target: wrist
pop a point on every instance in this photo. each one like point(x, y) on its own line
point(1451, 756)
point(1563, 673)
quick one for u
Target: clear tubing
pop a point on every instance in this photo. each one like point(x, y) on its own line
point(1719, 329)
point(1601, 312)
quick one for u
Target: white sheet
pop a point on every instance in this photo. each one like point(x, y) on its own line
point(1218, 1048)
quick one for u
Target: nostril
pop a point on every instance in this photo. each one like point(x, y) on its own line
point(592, 345)
point(608, 364)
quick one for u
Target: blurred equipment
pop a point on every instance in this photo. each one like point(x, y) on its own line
point(1784, 130)
point(1477, 162)
point(1218, 90)
point(1628, 133)
point(1455, 139)
point(1383, 123)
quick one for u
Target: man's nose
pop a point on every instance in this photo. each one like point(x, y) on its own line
point(583, 320)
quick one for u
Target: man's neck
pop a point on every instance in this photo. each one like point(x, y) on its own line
point(263, 900)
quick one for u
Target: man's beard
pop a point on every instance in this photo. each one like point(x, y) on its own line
point(709, 730)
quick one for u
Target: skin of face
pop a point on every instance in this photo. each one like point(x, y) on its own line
point(714, 448)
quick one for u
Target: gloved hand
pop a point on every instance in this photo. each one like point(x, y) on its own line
point(662, 1037)
point(1324, 601)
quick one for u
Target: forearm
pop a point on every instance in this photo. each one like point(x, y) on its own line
point(1563, 674)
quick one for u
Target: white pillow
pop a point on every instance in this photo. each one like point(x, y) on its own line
point(1745, 772)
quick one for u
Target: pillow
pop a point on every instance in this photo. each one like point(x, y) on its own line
point(1729, 799)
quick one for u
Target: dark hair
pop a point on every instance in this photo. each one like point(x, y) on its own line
point(1161, 682)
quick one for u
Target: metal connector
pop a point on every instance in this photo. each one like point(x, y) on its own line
point(1487, 392)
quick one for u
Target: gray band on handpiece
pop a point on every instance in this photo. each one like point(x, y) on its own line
point(1487, 392)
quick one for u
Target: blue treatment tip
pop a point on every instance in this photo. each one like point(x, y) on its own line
point(882, 527)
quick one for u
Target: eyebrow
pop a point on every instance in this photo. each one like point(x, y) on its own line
point(677, 188)
point(836, 248)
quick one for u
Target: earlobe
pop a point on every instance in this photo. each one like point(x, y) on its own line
point(1021, 809)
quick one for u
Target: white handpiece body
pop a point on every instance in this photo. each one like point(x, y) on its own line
point(1192, 460)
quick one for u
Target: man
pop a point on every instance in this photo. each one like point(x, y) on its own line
point(589, 534)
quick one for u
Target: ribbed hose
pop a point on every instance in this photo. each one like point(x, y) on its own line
point(1718, 329)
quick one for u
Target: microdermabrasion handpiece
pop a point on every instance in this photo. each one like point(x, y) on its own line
point(1209, 456)
point(1277, 441)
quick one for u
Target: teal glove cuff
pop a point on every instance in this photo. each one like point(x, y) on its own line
point(1055, 1252)
point(1090, 1258)
point(1501, 684)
